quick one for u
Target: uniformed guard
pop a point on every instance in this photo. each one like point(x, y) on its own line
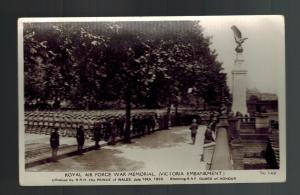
point(97, 131)
point(152, 124)
point(107, 129)
point(194, 128)
point(80, 139)
point(54, 143)
point(113, 132)
point(134, 125)
point(120, 126)
point(142, 124)
point(147, 124)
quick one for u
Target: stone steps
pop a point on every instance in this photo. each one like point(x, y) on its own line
point(247, 126)
point(253, 136)
point(255, 163)
point(274, 140)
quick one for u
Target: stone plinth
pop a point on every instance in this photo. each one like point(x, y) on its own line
point(262, 122)
point(233, 128)
point(239, 86)
point(223, 122)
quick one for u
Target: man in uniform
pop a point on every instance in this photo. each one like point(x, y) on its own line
point(54, 143)
point(107, 129)
point(114, 131)
point(97, 135)
point(134, 125)
point(152, 124)
point(147, 121)
point(194, 128)
point(120, 126)
point(142, 124)
point(80, 139)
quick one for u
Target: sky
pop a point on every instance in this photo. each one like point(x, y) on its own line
point(263, 51)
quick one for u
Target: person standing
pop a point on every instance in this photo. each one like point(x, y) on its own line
point(106, 129)
point(152, 124)
point(80, 139)
point(194, 128)
point(120, 126)
point(97, 135)
point(142, 126)
point(134, 124)
point(114, 131)
point(54, 143)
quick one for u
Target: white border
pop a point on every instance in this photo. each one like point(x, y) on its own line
point(243, 176)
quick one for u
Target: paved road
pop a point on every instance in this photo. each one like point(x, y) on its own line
point(162, 150)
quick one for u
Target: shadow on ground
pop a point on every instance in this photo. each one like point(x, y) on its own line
point(162, 139)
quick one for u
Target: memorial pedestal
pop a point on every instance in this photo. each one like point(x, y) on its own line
point(239, 86)
point(262, 122)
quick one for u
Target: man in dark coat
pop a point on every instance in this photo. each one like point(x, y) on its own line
point(147, 122)
point(142, 124)
point(107, 129)
point(97, 135)
point(120, 126)
point(114, 131)
point(194, 128)
point(152, 124)
point(134, 125)
point(80, 139)
point(54, 143)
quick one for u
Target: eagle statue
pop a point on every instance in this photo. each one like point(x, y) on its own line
point(238, 39)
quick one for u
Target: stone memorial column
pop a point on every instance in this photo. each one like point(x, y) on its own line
point(239, 86)
point(239, 75)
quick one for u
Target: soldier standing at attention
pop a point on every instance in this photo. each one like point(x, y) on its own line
point(143, 124)
point(134, 125)
point(152, 121)
point(120, 126)
point(107, 129)
point(80, 139)
point(114, 131)
point(54, 143)
point(97, 135)
point(194, 128)
point(147, 124)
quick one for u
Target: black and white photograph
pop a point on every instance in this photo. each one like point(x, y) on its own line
point(151, 100)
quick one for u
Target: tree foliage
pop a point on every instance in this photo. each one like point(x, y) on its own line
point(147, 64)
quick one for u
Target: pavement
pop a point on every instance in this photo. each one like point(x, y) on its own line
point(38, 150)
point(163, 150)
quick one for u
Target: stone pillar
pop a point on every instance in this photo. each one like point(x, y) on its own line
point(239, 86)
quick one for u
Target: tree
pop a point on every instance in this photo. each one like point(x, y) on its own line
point(63, 61)
point(147, 64)
point(188, 62)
